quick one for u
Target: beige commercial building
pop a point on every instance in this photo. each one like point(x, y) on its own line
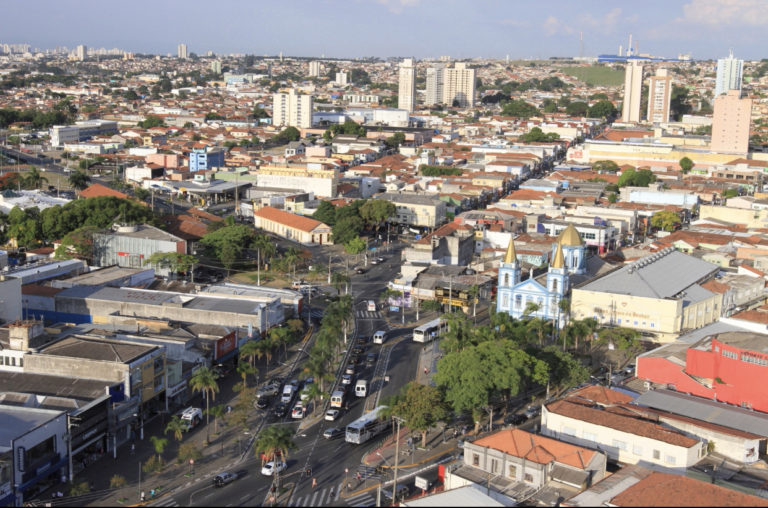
point(659, 295)
point(293, 227)
point(406, 89)
point(291, 109)
point(633, 87)
point(323, 182)
point(730, 123)
point(659, 97)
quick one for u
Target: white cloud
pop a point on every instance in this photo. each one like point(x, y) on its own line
point(397, 6)
point(586, 21)
point(553, 26)
point(725, 12)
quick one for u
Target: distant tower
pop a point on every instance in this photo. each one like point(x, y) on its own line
point(581, 44)
point(509, 276)
point(659, 97)
point(281, 56)
point(728, 74)
point(629, 46)
point(406, 90)
point(81, 52)
point(314, 68)
point(730, 123)
point(216, 67)
point(181, 51)
point(633, 85)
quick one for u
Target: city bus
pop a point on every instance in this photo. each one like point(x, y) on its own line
point(430, 331)
point(367, 426)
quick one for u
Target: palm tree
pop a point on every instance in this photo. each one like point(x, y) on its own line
point(34, 178)
point(318, 365)
point(339, 279)
point(265, 249)
point(266, 346)
point(274, 441)
point(78, 180)
point(245, 368)
point(204, 381)
point(291, 258)
point(159, 443)
point(280, 336)
point(176, 427)
point(251, 351)
point(531, 308)
point(217, 411)
point(346, 311)
point(313, 392)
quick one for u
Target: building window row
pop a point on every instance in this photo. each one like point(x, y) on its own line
point(757, 360)
point(730, 354)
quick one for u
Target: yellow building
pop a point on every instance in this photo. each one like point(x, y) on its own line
point(659, 295)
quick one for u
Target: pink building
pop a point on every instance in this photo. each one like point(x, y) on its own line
point(730, 123)
point(165, 160)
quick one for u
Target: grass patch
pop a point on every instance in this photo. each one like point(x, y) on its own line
point(596, 75)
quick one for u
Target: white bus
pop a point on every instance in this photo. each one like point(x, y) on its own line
point(367, 426)
point(430, 331)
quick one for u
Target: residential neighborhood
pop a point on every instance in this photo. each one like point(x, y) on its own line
point(259, 277)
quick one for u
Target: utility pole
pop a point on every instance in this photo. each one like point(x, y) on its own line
point(329, 268)
point(397, 457)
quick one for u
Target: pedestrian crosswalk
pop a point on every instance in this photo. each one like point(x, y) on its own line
point(166, 501)
point(332, 496)
point(367, 314)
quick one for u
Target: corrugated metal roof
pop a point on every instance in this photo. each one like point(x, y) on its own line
point(706, 410)
point(660, 275)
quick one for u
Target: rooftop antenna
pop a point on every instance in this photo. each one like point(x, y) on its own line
point(629, 46)
point(581, 44)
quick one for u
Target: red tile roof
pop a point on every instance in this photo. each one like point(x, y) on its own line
point(288, 219)
point(664, 489)
point(97, 190)
point(539, 449)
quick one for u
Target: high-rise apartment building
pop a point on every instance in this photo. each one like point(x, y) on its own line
point(314, 68)
point(730, 123)
point(81, 52)
point(406, 90)
point(659, 97)
point(633, 88)
point(728, 74)
point(434, 94)
point(216, 67)
point(290, 109)
point(459, 86)
point(181, 51)
point(341, 78)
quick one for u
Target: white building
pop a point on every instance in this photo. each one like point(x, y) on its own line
point(181, 51)
point(314, 68)
point(728, 74)
point(459, 86)
point(10, 299)
point(434, 93)
point(633, 86)
point(406, 90)
point(290, 109)
point(81, 52)
point(342, 78)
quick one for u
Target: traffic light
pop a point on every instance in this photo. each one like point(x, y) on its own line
point(309, 471)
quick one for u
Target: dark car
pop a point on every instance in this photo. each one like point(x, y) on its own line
point(370, 359)
point(515, 419)
point(361, 341)
point(226, 478)
point(358, 350)
point(280, 410)
point(263, 402)
point(359, 271)
point(354, 359)
point(333, 433)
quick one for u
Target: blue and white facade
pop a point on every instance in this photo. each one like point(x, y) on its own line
point(514, 294)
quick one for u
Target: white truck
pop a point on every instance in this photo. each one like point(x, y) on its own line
point(192, 416)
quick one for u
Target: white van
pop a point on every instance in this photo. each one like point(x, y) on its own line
point(379, 337)
point(371, 306)
point(337, 399)
point(288, 392)
point(361, 388)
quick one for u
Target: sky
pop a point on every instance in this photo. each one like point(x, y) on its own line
point(705, 29)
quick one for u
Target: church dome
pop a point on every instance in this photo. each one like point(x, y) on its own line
point(569, 237)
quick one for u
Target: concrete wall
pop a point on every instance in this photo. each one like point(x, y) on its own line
point(741, 449)
point(10, 299)
point(75, 367)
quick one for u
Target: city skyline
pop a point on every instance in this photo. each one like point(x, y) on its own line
point(705, 29)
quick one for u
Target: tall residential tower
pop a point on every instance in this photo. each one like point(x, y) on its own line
point(659, 97)
point(728, 74)
point(633, 87)
point(406, 90)
point(181, 51)
point(290, 109)
point(730, 123)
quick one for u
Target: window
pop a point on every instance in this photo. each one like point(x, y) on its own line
point(505, 301)
point(518, 301)
point(656, 454)
point(637, 450)
point(528, 477)
point(621, 445)
point(669, 459)
point(570, 431)
point(476, 460)
point(589, 436)
point(512, 472)
point(506, 279)
point(494, 466)
point(554, 285)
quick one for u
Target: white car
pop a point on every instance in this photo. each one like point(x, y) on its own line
point(271, 467)
point(332, 414)
point(298, 411)
point(346, 379)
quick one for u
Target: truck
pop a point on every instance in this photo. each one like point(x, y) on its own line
point(337, 399)
point(191, 416)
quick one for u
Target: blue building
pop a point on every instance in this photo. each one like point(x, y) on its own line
point(513, 295)
point(200, 160)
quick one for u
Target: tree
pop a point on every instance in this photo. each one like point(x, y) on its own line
point(602, 109)
point(564, 370)
point(633, 178)
point(274, 442)
point(141, 193)
point(228, 242)
point(665, 220)
point(536, 135)
point(421, 406)
point(176, 427)
point(204, 381)
point(117, 482)
point(288, 134)
point(151, 120)
point(376, 211)
point(217, 411)
point(174, 261)
point(678, 104)
point(326, 213)
point(355, 245)
point(519, 108)
point(159, 443)
point(77, 244)
point(577, 109)
point(605, 165)
point(34, 179)
point(188, 451)
point(686, 165)
point(339, 279)
point(78, 180)
point(347, 229)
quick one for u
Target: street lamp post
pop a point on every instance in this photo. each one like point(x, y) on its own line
point(397, 457)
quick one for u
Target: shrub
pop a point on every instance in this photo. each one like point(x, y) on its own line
point(189, 451)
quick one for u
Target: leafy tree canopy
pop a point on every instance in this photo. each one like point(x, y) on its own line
point(536, 135)
point(427, 170)
point(602, 109)
point(326, 213)
point(665, 220)
point(635, 178)
point(519, 108)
